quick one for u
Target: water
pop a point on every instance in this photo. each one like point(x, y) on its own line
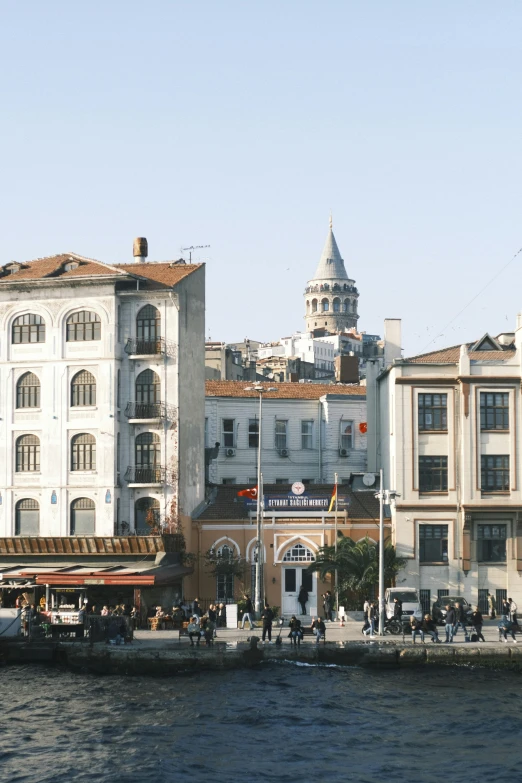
point(280, 723)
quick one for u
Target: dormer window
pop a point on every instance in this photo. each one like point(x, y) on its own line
point(12, 269)
point(71, 265)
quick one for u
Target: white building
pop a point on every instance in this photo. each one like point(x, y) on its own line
point(309, 432)
point(101, 395)
point(448, 437)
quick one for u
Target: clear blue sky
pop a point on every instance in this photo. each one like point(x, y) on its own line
point(241, 124)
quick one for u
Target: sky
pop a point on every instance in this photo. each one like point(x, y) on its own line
point(242, 125)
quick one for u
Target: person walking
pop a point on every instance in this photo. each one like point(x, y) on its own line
point(248, 613)
point(429, 627)
point(512, 611)
point(327, 606)
point(222, 616)
point(295, 631)
point(451, 619)
point(195, 608)
point(371, 621)
point(212, 616)
point(477, 621)
point(303, 599)
point(492, 607)
point(267, 618)
point(366, 608)
point(461, 620)
point(397, 609)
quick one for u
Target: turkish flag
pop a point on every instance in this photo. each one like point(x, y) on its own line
point(248, 493)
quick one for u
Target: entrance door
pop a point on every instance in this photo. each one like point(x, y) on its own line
point(293, 578)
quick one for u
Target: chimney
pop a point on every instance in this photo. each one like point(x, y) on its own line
point(140, 250)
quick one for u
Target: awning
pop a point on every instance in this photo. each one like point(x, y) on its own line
point(79, 576)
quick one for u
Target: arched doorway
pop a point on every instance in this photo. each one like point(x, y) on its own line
point(294, 575)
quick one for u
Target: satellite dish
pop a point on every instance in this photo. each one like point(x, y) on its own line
point(368, 479)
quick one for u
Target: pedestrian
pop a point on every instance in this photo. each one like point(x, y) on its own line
point(212, 616)
point(296, 633)
point(222, 616)
point(451, 619)
point(319, 629)
point(194, 631)
point(397, 609)
point(492, 607)
point(303, 598)
point(477, 622)
point(460, 613)
point(512, 611)
point(327, 605)
point(371, 621)
point(416, 628)
point(504, 626)
point(505, 609)
point(248, 613)
point(195, 607)
point(366, 607)
point(429, 626)
point(267, 618)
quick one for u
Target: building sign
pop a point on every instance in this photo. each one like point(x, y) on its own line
point(305, 502)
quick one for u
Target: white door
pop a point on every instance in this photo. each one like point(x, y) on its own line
point(293, 578)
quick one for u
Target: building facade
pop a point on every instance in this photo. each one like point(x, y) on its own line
point(448, 436)
point(310, 432)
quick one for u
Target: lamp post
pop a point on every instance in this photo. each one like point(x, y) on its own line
point(385, 496)
point(260, 500)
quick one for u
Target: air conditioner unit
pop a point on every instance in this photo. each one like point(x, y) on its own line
point(343, 452)
point(283, 452)
point(230, 452)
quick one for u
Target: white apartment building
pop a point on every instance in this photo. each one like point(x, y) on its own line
point(101, 395)
point(318, 352)
point(309, 432)
point(448, 436)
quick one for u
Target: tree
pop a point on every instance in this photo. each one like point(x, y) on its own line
point(226, 564)
point(357, 566)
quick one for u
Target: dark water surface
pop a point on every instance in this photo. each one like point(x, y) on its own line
point(283, 723)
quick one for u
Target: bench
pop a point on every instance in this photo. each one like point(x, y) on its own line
point(308, 631)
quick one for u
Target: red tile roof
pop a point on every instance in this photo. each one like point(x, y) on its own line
point(451, 356)
point(287, 391)
point(165, 272)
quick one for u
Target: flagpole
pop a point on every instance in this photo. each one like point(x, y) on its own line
point(337, 565)
point(260, 502)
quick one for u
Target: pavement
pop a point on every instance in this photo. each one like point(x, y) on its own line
point(350, 632)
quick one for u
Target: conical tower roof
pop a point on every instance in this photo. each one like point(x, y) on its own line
point(331, 265)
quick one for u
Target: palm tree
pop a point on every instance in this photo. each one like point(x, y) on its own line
point(356, 565)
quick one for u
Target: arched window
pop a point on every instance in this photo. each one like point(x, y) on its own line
point(314, 305)
point(325, 305)
point(83, 389)
point(354, 306)
point(298, 554)
point(83, 326)
point(146, 515)
point(346, 305)
point(307, 306)
point(148, 387)
point(148, 454)
point(29, 328)
point(148, 324)
point(224, 581)
point(27, 517)
point(28, 454)
point(337, 305)
point(28, 391)
point(83, 517)
point(83, 452)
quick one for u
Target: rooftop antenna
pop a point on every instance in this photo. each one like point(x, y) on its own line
point(191, 248)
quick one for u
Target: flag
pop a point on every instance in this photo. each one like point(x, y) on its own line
point(363, 427)
point(248, 493)
point(334, 498)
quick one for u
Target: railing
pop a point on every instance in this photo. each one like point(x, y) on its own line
point(156, 347)
point(144, 475)
point(150, 410)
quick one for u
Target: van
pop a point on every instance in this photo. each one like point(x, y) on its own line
point(409, 597)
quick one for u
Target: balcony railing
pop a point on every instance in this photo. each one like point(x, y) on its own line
point(145, 475)
point(150, 410)
point(137, 347)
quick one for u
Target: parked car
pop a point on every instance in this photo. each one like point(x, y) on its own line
point(439, 607)
point(409, 598)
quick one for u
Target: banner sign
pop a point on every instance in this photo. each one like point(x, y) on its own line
point(306, 502)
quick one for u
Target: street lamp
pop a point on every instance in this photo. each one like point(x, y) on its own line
point(385, 496)
point(260, 502)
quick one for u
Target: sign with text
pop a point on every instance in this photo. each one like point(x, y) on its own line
point(306, 502)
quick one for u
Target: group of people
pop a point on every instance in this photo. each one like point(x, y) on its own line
point(296, 630)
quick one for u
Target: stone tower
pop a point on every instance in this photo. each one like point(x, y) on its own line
point(331, 297)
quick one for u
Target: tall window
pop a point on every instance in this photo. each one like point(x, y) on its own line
point(307, 432)
point(433, 474)
point(83, 452)
point(83, 517)
point(433, 544)
point(325, 305)
point(83, 326)
point(494, 411)
point(281, 428)
point(28, 391)
point(337, 305)
point(494, 474)
point(225, 582)
point(27, 517)
point(28, 454)
point(491, 543)
point(118, 454)
point(148, 324)
point(228, 438)
point(148, 387)
point(118, 389)
point(346, 434)
point(146, 515)
point(118, 325)
point(253, 433)
point(83, 389)
point(148, 450)
point(433, 412)
point(29, 328)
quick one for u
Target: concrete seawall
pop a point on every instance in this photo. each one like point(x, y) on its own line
point(167, 660)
